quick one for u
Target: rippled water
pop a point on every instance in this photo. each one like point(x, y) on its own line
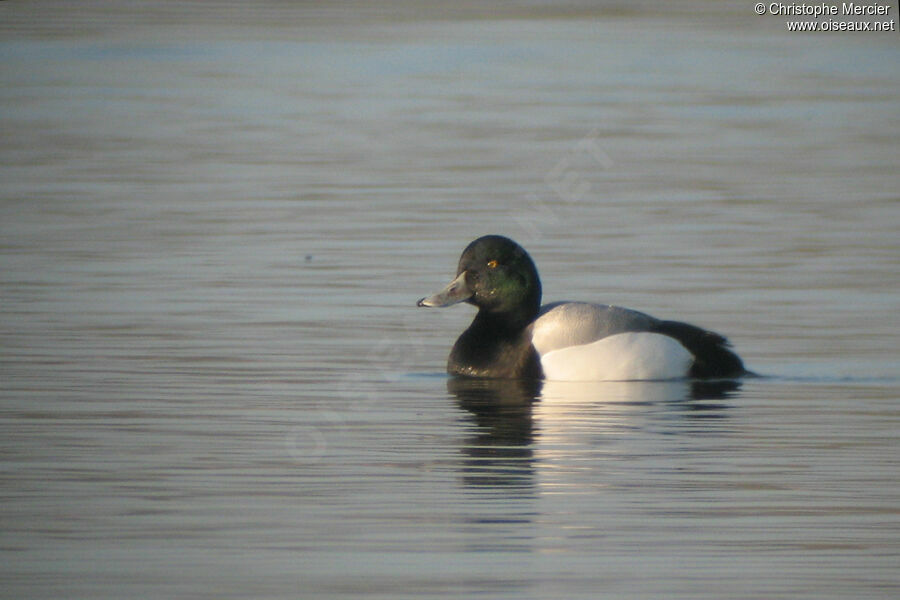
point(216, 221)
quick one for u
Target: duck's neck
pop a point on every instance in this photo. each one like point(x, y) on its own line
point(506, 324)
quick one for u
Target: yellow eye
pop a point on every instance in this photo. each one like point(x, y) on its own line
point(492, 264)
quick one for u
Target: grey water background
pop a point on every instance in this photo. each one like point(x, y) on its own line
point(216, 219)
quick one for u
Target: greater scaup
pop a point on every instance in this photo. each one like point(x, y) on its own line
point(512, 336)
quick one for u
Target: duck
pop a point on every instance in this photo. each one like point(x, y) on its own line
point(513, 336)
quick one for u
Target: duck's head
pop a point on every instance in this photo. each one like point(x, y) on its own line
point(496, 275)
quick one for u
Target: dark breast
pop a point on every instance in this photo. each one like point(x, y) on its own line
point(477, 354)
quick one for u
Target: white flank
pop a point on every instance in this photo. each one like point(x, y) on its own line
point(621, 357)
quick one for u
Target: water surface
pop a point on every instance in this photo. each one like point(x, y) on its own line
point(214, 228)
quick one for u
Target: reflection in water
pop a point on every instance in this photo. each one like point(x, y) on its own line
point(686, 391)
point(609, 406)
point(701, 405)
point(500, 453)
point(692, 396)
point(511, 416)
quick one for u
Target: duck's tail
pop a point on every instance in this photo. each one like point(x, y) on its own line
point(712, 355)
